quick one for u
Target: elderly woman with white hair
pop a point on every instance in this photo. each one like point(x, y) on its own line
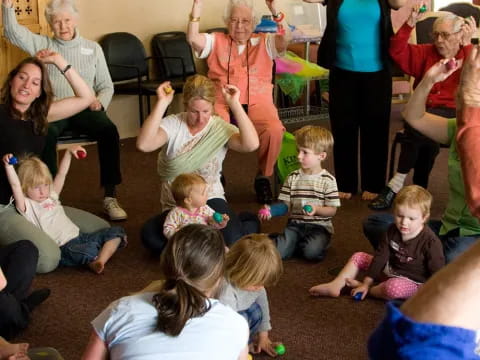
point(87, 57)
point(245, 59)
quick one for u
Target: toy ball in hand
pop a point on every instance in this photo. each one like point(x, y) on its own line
point(264, 212)
point(250, 357)
point(12, 161)
point(423, 9)
point(280, 349)
point(308, 208)
point(217, 217)
point(451, 64)
point(81, 154)
point(168, 90)
point(358, 296)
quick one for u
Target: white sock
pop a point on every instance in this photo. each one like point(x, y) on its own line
point(397, 182)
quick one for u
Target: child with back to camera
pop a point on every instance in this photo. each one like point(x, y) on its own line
point(36, 197)
point(190, 194)
point(408, 255)
point(311, 195)
point(252, 263)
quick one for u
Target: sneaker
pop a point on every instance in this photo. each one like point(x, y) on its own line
point(113, 209)
point(384, 200)
point(36, 298)
point(263, 190)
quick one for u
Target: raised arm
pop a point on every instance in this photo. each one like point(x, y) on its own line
point(19, 35)
point(64, 166)
point(432, 126)
point(152, 136)
point(14, 181)
point(247, 139)
point(281, 39)
point(194, 37)
point(67, 107)
point(468, 129)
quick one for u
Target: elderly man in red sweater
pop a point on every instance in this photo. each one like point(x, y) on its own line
point(451, 40)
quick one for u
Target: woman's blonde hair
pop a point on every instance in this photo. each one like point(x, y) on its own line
point(183, 184)
point(414, 196)
point(33, 172)
point(315, 138)
point(192, 264)
point(253, 261)
point(199, 87)
point(56, 6)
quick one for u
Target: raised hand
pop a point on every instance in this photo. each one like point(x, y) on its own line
point(443, 69)
point(415, 15)
point(469, 87)
point(468, 30)
point(231, 94)
point(165, 92)
point(7, 3)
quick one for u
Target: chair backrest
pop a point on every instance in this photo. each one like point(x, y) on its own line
point(423, 30)
point(125, 56)
point(464, 10)
point(173, 44)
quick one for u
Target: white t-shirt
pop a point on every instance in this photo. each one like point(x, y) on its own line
point(269, 42)
point(127, 326)
point(49, 216)
point(180, 140)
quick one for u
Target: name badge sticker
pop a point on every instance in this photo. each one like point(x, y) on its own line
point(86, 51)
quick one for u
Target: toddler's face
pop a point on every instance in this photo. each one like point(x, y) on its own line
point(308, 159)
point(199, 195)
point(409, 221)
point(39, 193)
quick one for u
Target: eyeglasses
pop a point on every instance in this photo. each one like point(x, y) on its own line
point(244, 22)
point(444, 35)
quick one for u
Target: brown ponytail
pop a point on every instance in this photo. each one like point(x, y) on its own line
point(192, 263)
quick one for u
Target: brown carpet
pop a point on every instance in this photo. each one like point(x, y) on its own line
point(310, 328)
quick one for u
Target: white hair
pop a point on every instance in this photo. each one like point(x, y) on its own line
point(236, 3)
point(455, 20)
point(56, 6)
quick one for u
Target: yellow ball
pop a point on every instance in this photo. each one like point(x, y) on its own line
point(250, 357)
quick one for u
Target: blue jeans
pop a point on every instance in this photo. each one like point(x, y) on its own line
point(85, 247)
point(375, 227)
point(254, 317)
point(310, 240)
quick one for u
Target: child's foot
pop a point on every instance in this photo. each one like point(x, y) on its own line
point(366, 195)
point(97, 266)
point(331, 289)
point(344, 195)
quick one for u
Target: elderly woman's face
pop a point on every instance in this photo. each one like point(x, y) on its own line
point(199, 112)
point(63, 25)
point(240, 24)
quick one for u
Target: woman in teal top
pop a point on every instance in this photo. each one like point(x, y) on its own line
point(458, 229)
point(355, 49)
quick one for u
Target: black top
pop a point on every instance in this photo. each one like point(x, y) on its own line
point(17, 137)
point(328, 47)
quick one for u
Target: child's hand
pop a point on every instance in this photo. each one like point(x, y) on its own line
point(78, 151)
point(263, 343)
point(309, 210)
point(224, 222)
point(6, 159)
point(264, 213)
point(358, 287)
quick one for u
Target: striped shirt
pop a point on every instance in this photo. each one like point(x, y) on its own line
point(301, 189)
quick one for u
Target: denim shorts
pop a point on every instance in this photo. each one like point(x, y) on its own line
point(85, 247)
point(254, 316)
point(401, 338)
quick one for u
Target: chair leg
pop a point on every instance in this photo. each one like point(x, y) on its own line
point(140, 108)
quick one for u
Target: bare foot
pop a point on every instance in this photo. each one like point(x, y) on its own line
point(97, 266)
point(331, 289)
point(343, 195)
point(366, 195)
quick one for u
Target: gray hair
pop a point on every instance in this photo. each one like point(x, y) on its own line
point(455, 20)
point(235, 3)
point(56, 6)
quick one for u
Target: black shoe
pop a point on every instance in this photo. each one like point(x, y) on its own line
point(263, 190)
point(384, 200)
point(36, 298)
